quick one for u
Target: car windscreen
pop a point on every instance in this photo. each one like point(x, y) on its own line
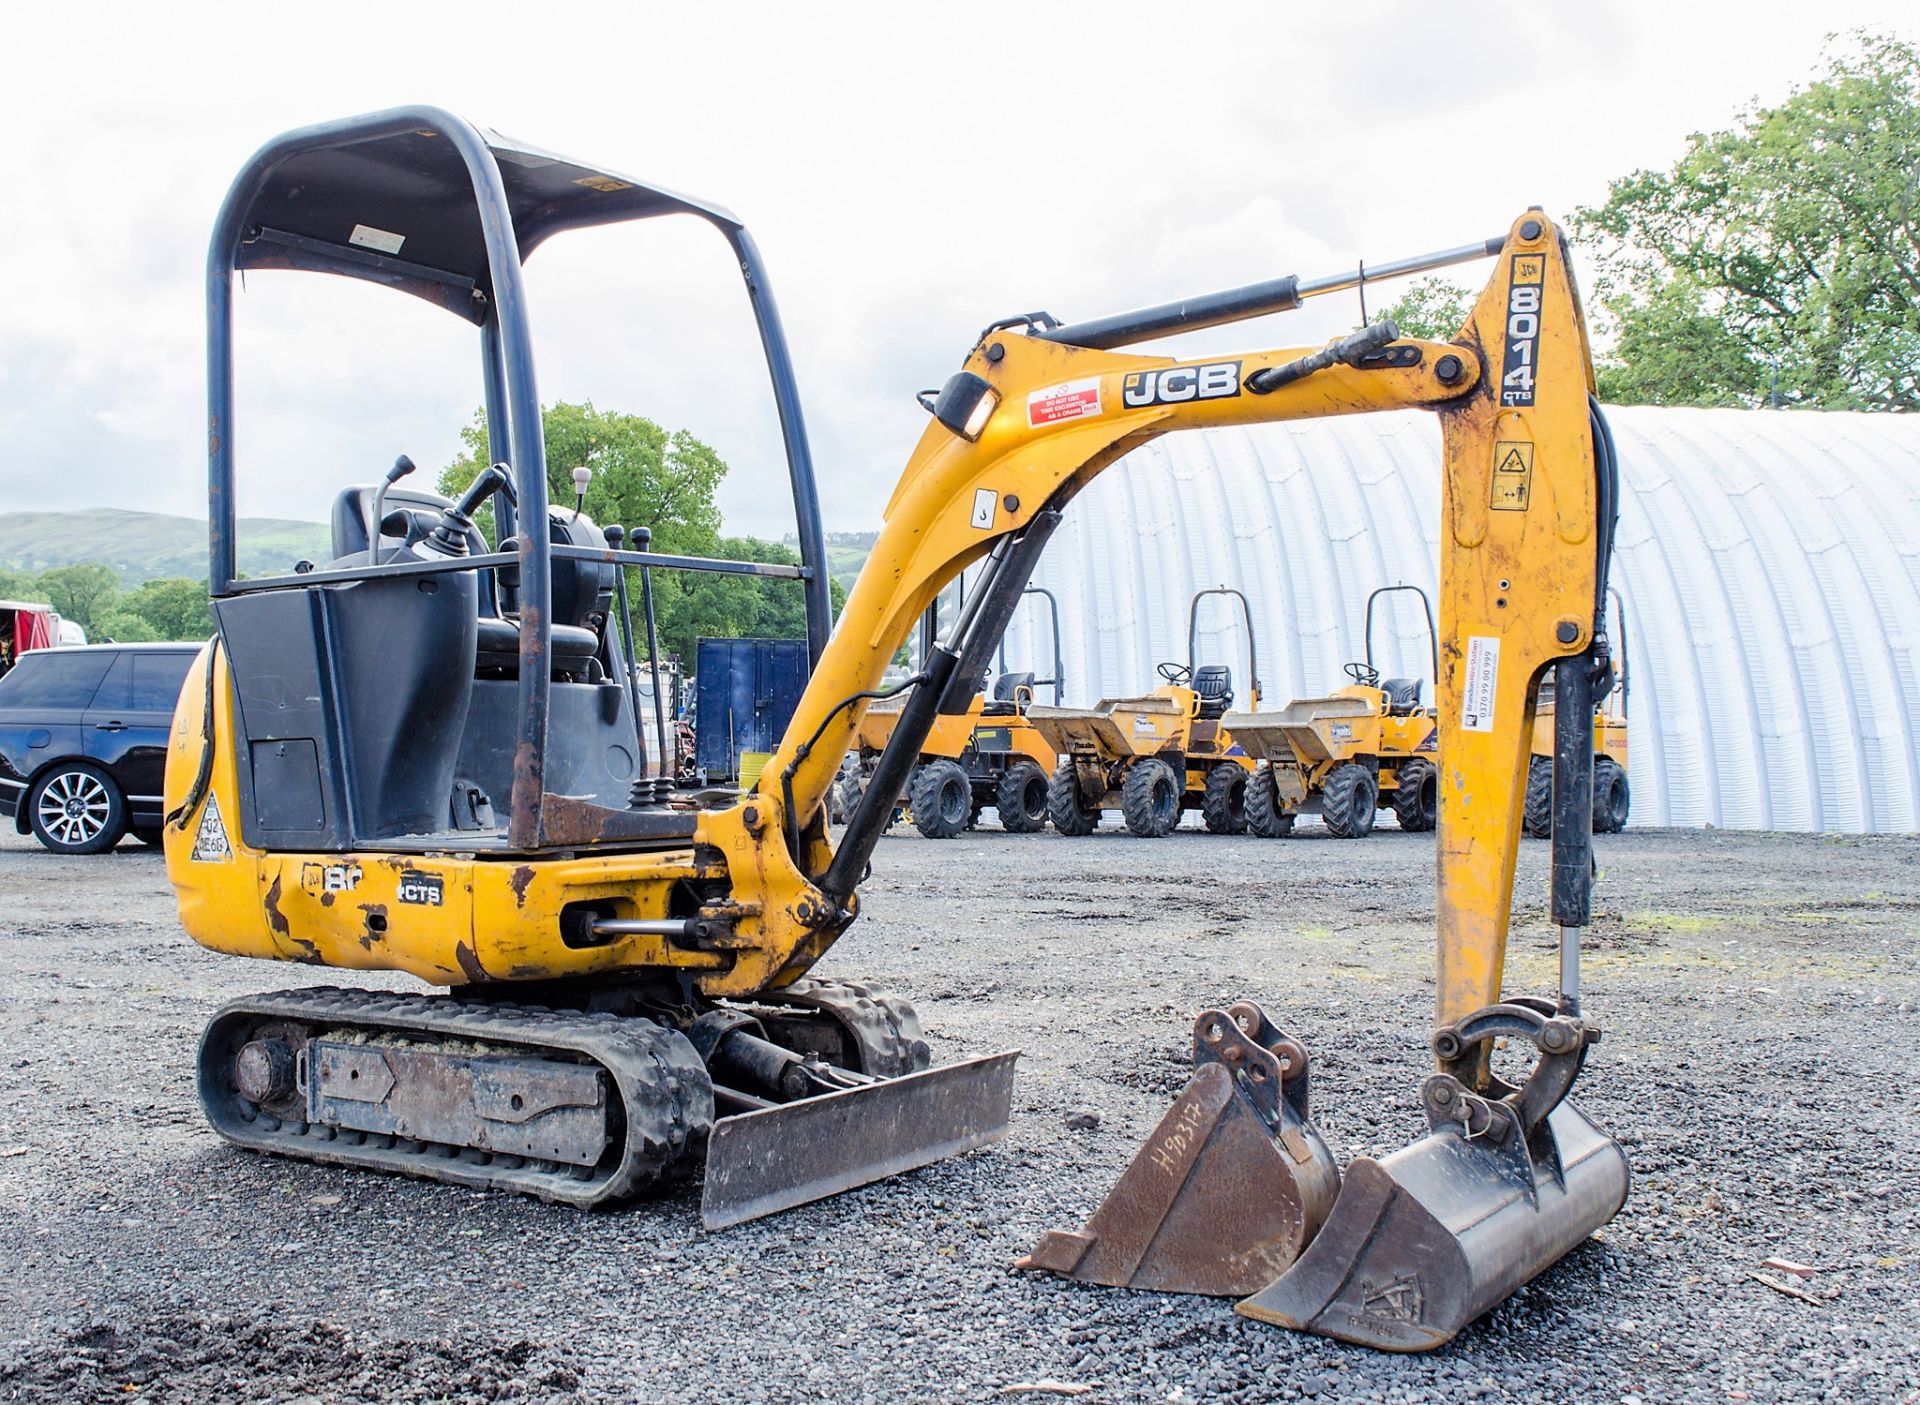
point(54, 678)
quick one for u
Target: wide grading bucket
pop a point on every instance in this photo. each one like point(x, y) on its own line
point(1423, 1242)
point(1504, 1185)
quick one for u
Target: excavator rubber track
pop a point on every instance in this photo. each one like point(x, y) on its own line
point(576, 1109)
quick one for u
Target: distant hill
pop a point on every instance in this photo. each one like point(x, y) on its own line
point(847, 552)
point(144, 546)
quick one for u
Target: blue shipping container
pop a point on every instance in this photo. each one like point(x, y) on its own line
point(746, 691)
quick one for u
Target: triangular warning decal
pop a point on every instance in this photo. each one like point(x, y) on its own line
point(210, 844)
point(1513, 463)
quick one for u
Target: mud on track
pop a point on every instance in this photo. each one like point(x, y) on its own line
point(1762, 1050)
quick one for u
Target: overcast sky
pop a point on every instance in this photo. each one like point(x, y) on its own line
point(910, 173)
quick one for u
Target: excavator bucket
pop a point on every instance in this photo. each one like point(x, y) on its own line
point(1230, 1187)
point(1425, 1241)
point(777, 1157)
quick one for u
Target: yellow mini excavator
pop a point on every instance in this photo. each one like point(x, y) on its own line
point(416, 757)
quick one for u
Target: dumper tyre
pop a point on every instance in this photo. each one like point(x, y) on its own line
point(1064, 806)
point(1611, 798)
point(1537, 819)
point(942, 799)
point(1348, 800)
point(1416, 797)
point(1224, 806)
point(1150, 799)
point(1266, 816)
point(1022, 797)
point(843, 798)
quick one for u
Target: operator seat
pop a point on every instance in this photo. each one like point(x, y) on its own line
point(1214, 683)
point(1403, 695)
point(581, 589)
point(1005, 701)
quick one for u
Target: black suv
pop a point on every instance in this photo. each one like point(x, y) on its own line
point(83, 742)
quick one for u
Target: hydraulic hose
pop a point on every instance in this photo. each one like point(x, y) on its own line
point(202, 778)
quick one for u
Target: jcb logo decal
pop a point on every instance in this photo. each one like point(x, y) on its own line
point(1523, 328)
point(1219, 380)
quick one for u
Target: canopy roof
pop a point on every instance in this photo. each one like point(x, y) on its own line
point(401, 209)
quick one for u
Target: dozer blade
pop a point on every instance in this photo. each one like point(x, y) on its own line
point(778, 1157)
point(1425, 1241)
point(1230, 1187)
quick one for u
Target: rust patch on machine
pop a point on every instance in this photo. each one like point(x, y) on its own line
point(522, 877)
point(470, 966)
point(276, 919)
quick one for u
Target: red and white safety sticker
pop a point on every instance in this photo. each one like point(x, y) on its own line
point(1070, 400)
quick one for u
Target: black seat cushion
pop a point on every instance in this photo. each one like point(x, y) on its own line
point(1006, 688)
point(1005, 701)
point(1214, 683)
point(1403, 694)
point(499, 652)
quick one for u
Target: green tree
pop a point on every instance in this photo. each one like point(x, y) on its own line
point(115, 623)
point(1432, 309)
point(21, 585)
point(647, 476)
point(1778, 261)
point(80, 591)
point(174, 608)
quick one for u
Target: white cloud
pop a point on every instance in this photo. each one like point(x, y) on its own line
point(907, 178)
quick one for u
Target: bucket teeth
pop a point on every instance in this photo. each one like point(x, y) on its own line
point(1230, 1187)
point(1425, 1241)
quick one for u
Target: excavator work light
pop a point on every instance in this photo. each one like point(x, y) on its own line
point(965, 404)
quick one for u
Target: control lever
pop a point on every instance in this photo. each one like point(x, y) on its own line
point(1342, 351)
point(450, 537)
point(402, 466)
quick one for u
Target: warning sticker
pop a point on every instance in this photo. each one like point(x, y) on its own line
point(1070, 400)
point(1512, 474)
point(385, 241)
point(210, 843)
point(985, 500)
point(1482, 680)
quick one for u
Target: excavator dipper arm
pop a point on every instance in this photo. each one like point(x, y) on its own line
point(1232, 1193)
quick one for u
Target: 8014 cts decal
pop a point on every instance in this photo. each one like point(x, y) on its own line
point(1218, 380)
point(1523, 328)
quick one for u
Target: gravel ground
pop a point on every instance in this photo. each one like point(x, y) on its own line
point(1759, 994)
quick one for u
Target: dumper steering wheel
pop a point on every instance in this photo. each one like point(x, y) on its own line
point(1178, 674)
point(1365, 674)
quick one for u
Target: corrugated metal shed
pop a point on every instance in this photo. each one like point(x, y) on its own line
point(1769, 561)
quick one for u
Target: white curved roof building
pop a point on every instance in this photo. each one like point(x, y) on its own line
point(1769, 563)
